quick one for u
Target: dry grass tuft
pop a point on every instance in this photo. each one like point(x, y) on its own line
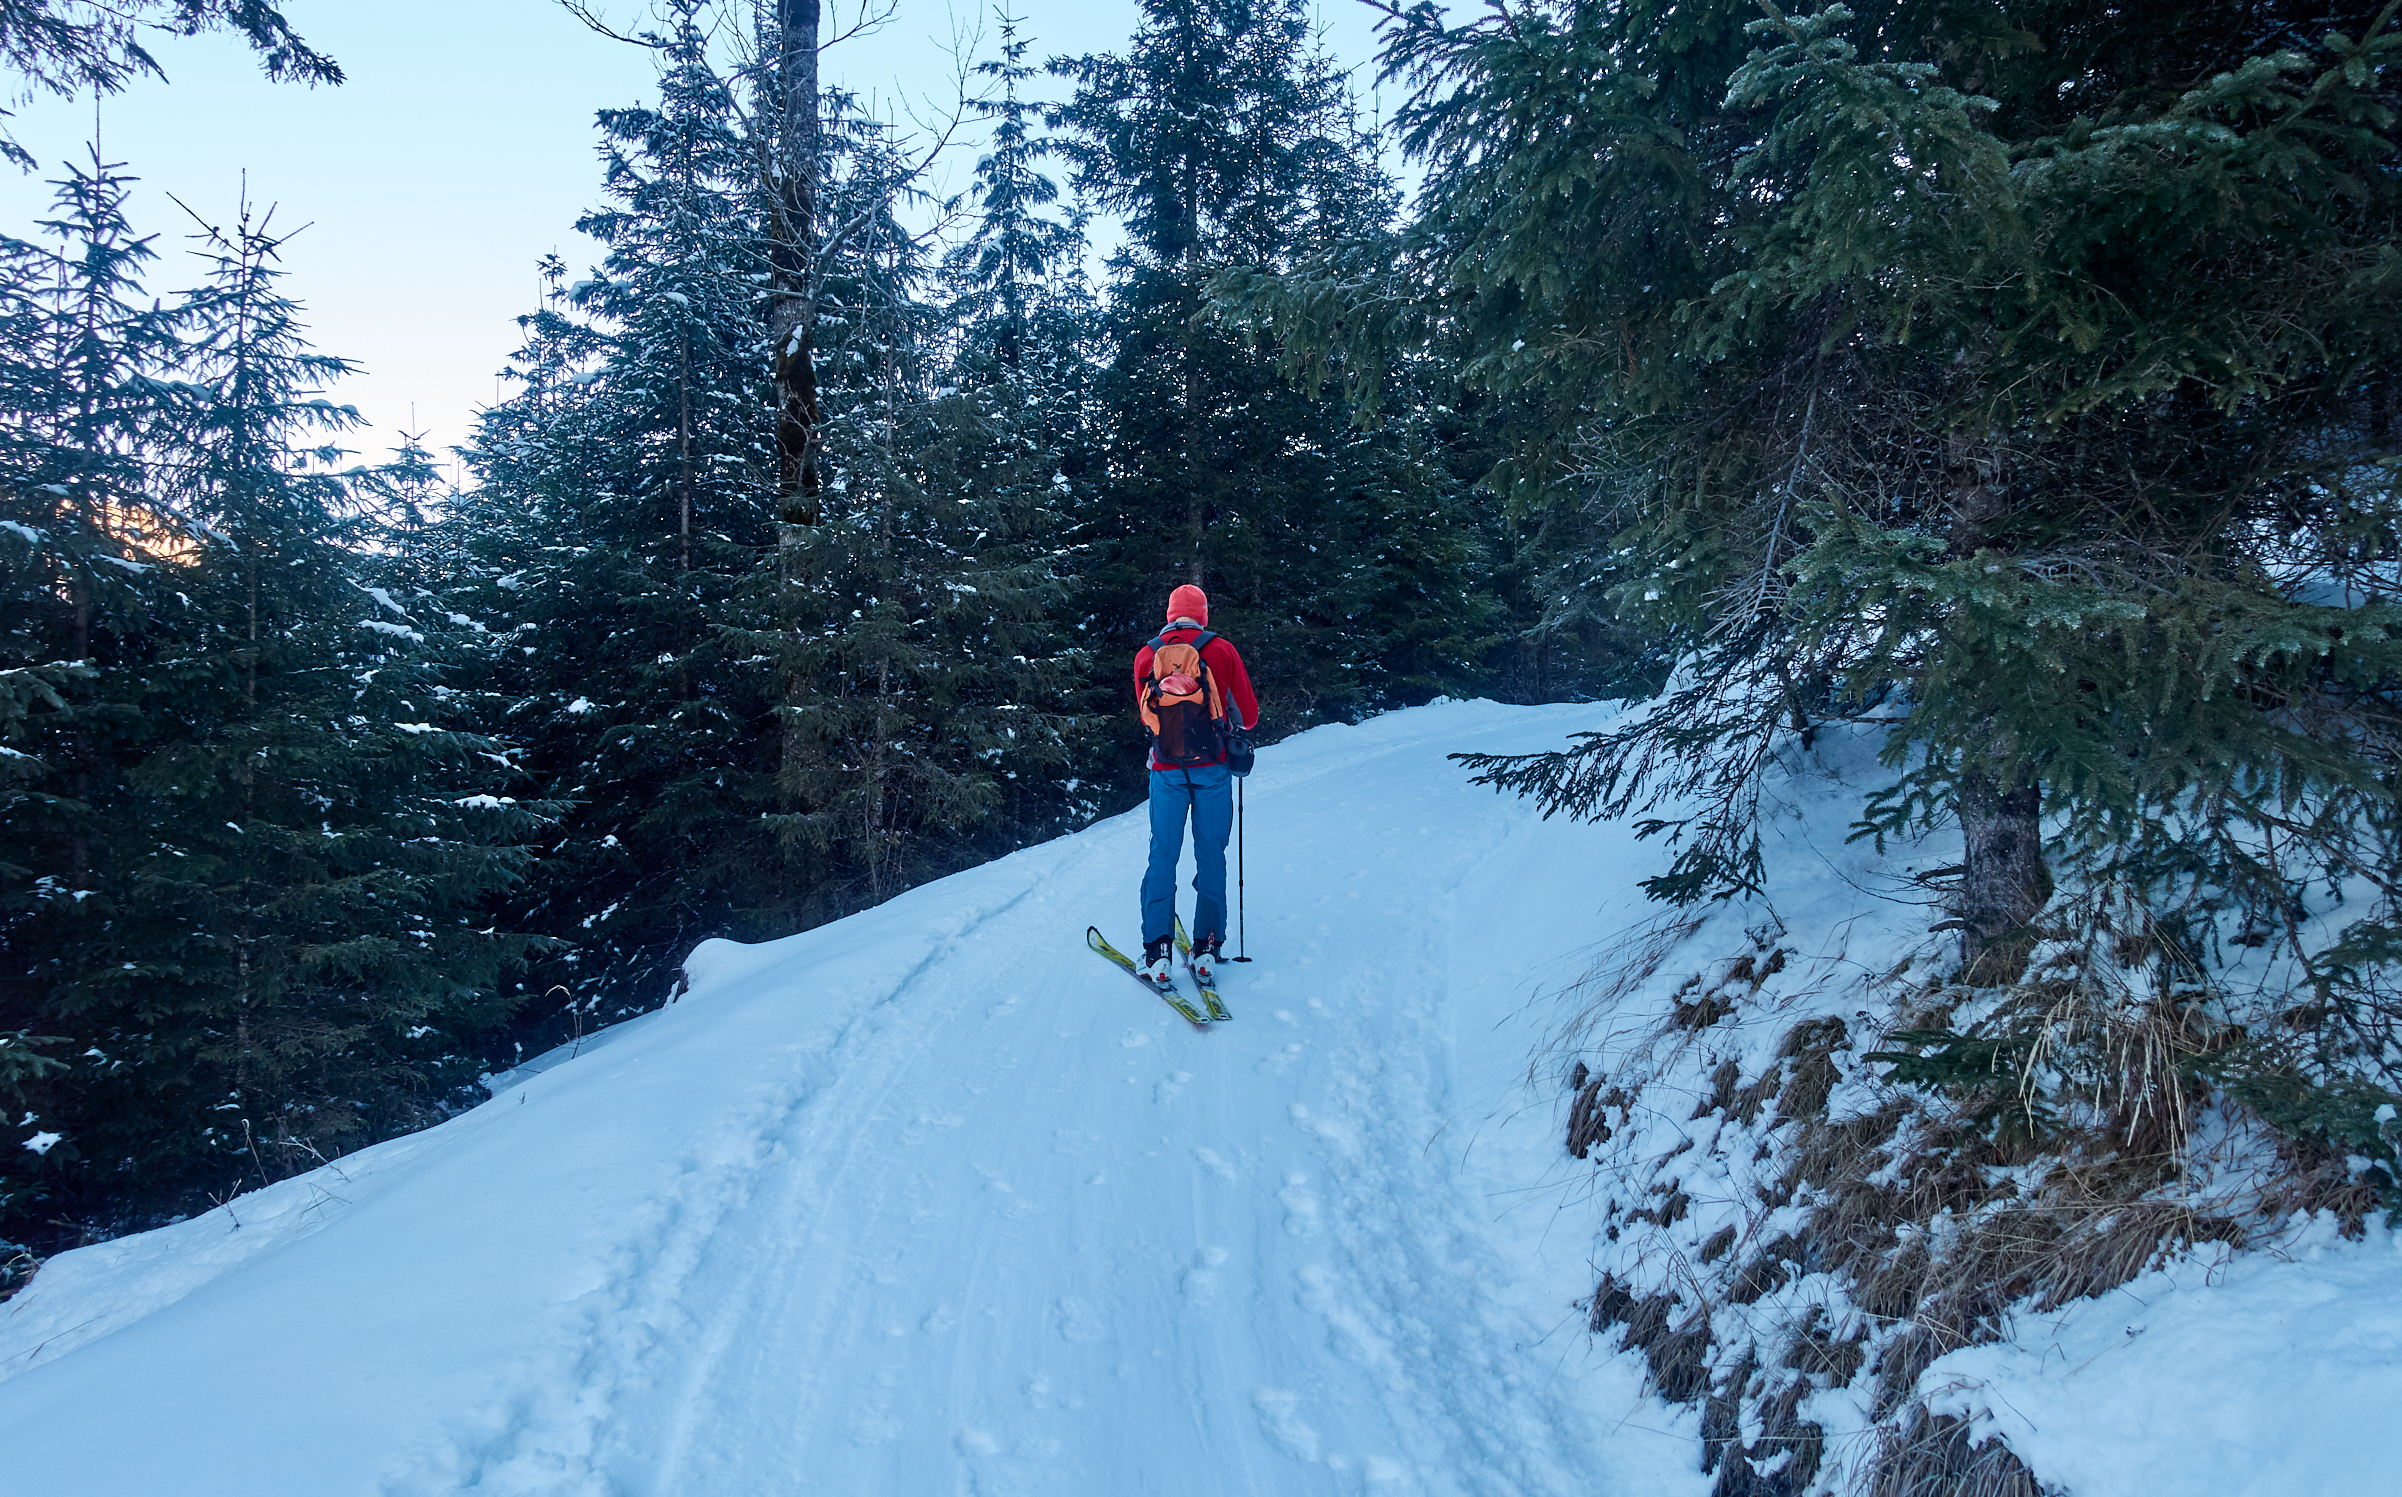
point(1926, 1212)
point(18, 1265)
point(1810, 1048)
point(1930, 1457)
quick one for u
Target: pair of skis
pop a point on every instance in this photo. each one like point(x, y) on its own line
point(1175, 1000)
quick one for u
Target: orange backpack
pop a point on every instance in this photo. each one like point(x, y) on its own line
point(1183, 710)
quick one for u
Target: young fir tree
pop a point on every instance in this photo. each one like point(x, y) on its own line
point(1226, 138)
point(406, 499)
point(1019, 305)
point(272, 948)
point(1020, 323)
point(81, 538)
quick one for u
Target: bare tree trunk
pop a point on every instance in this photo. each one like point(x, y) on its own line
point(1977, 495)
point(2005, 885)
point(1194, 515)
point(1187, 258)
point(792, 255)
point(792, 318)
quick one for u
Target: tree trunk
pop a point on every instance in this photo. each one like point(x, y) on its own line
point(684, 448)
point(2006, 884)
point(1195, 513)
point(792, 319)
point(1998, 799)
point(792, 256)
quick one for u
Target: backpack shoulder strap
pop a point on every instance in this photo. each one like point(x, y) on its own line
point(1212, 699)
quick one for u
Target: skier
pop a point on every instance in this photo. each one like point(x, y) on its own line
point(1195, 699)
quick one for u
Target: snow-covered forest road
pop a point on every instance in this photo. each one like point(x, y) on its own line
point(931, 1200)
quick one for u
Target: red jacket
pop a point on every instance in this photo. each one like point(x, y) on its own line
point(1225, 667)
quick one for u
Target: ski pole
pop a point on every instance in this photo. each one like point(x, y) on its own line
point(1241, 925)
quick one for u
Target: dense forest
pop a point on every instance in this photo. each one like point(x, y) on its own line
point(2014, 376)
point(330, 786)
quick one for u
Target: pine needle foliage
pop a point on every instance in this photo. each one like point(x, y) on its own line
point(1349, 567)
point(2017, 375)
point(240, 925)
point(613, 543)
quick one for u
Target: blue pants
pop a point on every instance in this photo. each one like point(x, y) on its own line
point(1207, 794)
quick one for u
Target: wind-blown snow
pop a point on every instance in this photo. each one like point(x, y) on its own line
point(931, 1200)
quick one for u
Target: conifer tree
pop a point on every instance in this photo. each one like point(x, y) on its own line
point(258, 850)
point(1224, 137)
point(1016, 281)
point(66, 46)
point(78, 535)
point(930, 641)
point(1020, 324)
point(2011, 372)
point(615, 549)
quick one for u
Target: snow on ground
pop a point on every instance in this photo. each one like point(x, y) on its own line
point(931, 1200)
point(2268, 1374)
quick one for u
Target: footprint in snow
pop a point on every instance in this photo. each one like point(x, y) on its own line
point(1201, 1280)
point(1080, 1322)
point(1300, 1206)
point(1280, 1420)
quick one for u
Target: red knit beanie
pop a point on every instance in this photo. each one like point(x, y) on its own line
point(1189, 602)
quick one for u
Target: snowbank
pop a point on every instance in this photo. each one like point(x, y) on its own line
point(2273, 1373)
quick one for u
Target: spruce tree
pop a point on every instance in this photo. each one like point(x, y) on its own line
point(1020, 324)
point(63, 47)
point(2010, 372)
point(258, 849)
point(81, 537)
point(1224, 137)
point(931, 645)
point(617, 549)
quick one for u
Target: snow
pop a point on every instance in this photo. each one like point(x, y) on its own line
point(2259, 1375)
point(933, 1200)
point(383, 597)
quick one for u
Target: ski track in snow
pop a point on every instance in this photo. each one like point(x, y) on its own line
point(931, 1200)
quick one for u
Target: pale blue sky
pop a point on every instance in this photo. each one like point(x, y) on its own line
point(459, 152)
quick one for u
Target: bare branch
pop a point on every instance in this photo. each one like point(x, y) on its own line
point(583, 11)
point(874, 15)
